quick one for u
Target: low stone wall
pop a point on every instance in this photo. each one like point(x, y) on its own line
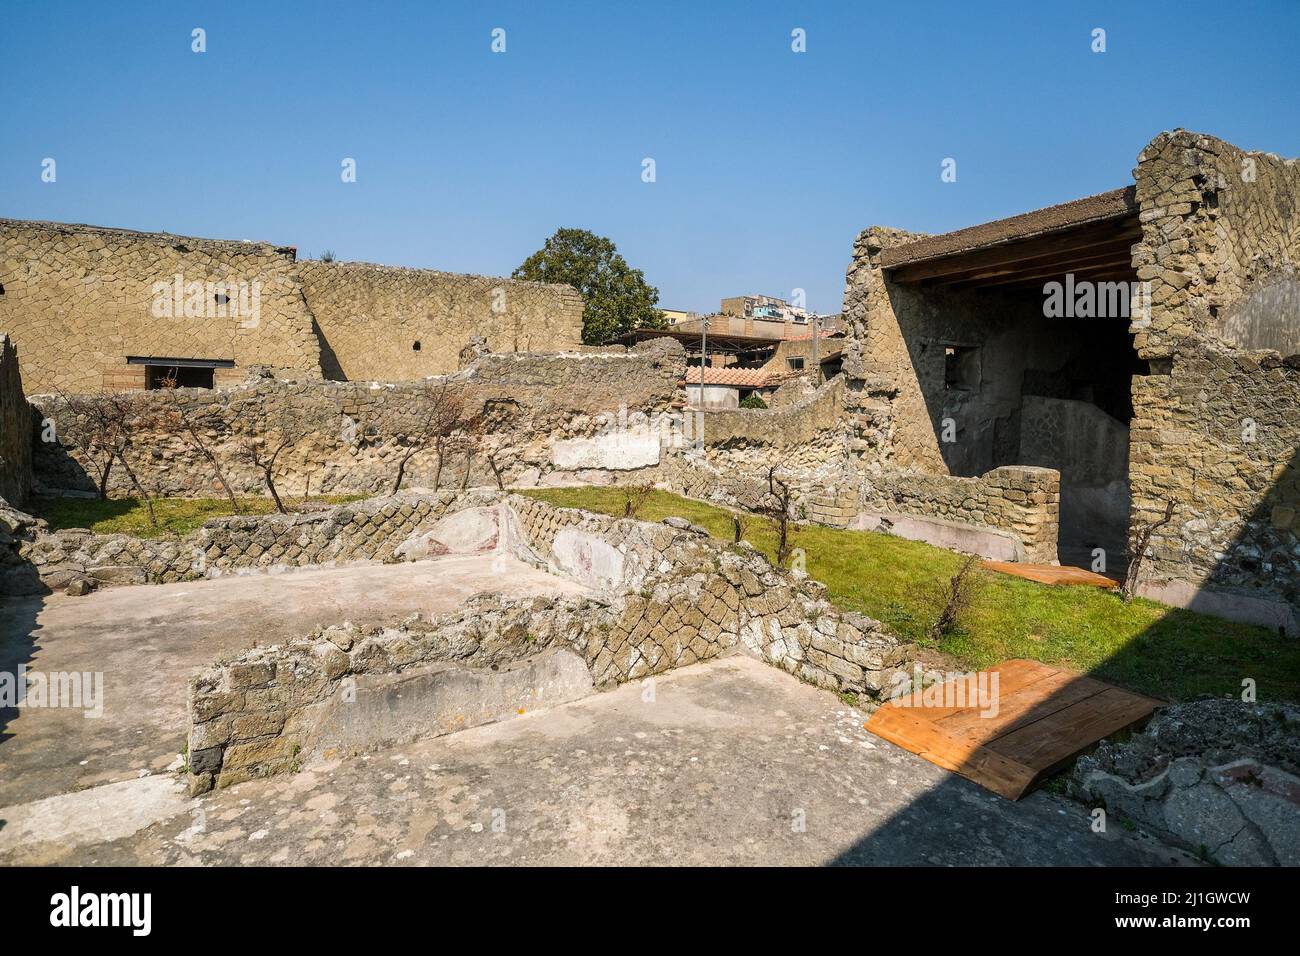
point(666, 595)
point(1022, 501)
point(371, 530)
point(1219, 778)
point(16, 424)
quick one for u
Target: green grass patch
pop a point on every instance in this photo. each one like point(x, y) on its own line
point(1151, 648)
point(176, 516)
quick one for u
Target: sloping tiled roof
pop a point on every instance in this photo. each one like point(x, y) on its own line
point(739, 377)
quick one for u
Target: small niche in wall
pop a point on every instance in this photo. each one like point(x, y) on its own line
point(2, 288)
point(415, 346)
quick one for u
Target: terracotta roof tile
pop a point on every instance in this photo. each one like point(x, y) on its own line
point(739, 377)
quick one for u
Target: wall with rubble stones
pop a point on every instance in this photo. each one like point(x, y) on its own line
point(1217, 778)
point(16, 423)
point(1217, 424)
point(667, 596)
point(348, 437)
point(384, 323)
point(78, 300)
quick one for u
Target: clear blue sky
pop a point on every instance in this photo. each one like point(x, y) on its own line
point(768, 162)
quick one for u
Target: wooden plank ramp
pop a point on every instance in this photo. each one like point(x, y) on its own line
point(1051, 573)
point(1011, 726)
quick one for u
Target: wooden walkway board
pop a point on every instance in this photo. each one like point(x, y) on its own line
point(1051, 573)
point(1011, 726)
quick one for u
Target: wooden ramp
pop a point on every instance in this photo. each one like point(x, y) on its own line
point(1029, 721)
point(1051, 573)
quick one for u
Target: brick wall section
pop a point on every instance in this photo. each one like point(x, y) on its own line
point(1024, 501)
point(1217, 424)
point(684, 598)
point(371, 316)
point(16, 424)
point(79, 299)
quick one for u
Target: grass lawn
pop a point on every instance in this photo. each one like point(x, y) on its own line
point(1145, 646)
point(178, 516)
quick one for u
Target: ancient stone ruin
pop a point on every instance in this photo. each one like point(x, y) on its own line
point(1112, 383)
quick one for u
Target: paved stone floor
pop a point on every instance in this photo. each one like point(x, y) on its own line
point(729, 762)
point(147, 641)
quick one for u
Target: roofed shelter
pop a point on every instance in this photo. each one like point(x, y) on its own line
point(1122, 340)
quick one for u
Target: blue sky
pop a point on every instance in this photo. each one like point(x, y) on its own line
point(768, 162)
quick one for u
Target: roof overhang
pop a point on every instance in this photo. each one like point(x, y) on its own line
point(1091, 238)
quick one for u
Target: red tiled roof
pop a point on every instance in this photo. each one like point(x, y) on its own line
point(739, 377)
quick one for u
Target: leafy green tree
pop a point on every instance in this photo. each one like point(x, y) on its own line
point(617, 297)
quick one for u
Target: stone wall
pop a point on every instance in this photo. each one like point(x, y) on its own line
point(383, 323)
point(1024, 502)
point(1217, 424)
point(370, 530)
point(16, 424)
point(666, 595)
point(78, 300)
point(807, 441)
point(350, 435)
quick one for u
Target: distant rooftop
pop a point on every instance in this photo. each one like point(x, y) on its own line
point(738, 377)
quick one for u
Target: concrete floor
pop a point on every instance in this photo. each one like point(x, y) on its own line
point(729, 762)
point(147, 641)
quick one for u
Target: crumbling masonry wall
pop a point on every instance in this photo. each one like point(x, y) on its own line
point(349, 435)
point(806, 441)
point(366, 531)
point(1217, 424)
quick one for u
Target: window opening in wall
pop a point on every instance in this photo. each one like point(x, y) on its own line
point(178, 373)
point(221, 298)
point(796, 364)
point(961, 367)
point(170, 376)
point(415, 346)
